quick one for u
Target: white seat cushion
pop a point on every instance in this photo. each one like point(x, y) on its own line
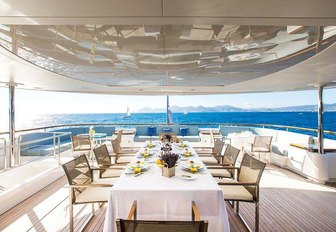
point(96, 194)
point(112, 173)
point(125, 159)
point(209, 160)
point(219, 172)
point(236, 192)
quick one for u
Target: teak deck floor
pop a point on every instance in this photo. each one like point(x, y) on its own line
point(288, 203)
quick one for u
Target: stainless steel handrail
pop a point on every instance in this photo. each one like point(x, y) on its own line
point(145, 124)
point(55, 135)
point(5, 153)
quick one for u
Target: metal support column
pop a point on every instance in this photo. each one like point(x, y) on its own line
point(12, 125)
point(320, 120)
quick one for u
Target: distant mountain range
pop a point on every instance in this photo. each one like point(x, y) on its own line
point(227, 108)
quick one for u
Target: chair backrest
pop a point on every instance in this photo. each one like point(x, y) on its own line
point(212, 138)
point(133, 225)
point(230, 155)
point(81, 142)
point(218, 147)
point(161, 226)
point(102, 155)
point(78, 171)
point(172, 134)
point(116, 149)
point(250, 171)
point(119, 135)
point(263, 141)
point(116, 145)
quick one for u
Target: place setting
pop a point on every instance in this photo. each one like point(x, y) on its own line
point(137, 168)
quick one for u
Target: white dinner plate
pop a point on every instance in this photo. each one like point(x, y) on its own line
point(186, 166)
point(143, 166)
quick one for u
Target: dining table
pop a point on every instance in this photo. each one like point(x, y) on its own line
point(162, 198)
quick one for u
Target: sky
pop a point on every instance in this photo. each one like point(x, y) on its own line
point(30, 103)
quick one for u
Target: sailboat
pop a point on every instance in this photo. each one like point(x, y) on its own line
point(128, 113)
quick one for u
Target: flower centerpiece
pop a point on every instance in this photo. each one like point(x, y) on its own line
point(166, 138)
point(169, 161)
point(91, 131)
point(167, 147)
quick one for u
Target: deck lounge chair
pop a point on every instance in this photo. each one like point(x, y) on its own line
point(246, 188)
point(83, 189)
point(195, 225)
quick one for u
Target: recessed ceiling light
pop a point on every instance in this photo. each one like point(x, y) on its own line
point(173, 77)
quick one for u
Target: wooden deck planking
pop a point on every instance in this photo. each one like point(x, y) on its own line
point(281, 209)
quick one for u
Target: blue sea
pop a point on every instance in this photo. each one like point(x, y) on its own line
point(297, 119)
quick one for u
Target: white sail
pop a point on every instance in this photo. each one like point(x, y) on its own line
point(128, 113)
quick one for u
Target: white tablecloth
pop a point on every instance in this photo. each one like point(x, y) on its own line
point(162, 198)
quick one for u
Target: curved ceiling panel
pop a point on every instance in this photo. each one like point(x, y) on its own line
point(163, 55)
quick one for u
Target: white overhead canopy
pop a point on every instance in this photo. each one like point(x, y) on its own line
point(167, 47)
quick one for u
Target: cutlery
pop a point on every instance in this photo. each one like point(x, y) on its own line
point(138, 174)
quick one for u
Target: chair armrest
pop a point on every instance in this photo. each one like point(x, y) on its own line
point(132, 211)
point(195, 214)
point(239, 183)
point(90, 185)
point(210, 154)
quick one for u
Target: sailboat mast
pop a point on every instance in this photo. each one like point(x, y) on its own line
point(167, 110)
point(169, 113)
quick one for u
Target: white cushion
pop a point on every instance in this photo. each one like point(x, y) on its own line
point(112, 173)
point(96, 194)
point(208, 160)
point(125, 159)
point(236, 192)
point(219, 172)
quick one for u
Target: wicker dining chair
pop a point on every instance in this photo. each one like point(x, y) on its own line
point(134, 225)
point(215, 157)
point(81, 143)
point(260, 144)
point(83, 189)
point(229, 166)
point(105, 166)
point(173, 135)
point(120, 156)
point(246, 188)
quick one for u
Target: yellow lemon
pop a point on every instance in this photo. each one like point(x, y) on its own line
point(150, 145)
point(187, 154)
point(193, 169)
point(146, 155)
point(158, 162)
point(137, 170)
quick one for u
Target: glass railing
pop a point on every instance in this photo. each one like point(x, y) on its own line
point(57, 135)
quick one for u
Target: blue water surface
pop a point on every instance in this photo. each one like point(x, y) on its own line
point(297, 119)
